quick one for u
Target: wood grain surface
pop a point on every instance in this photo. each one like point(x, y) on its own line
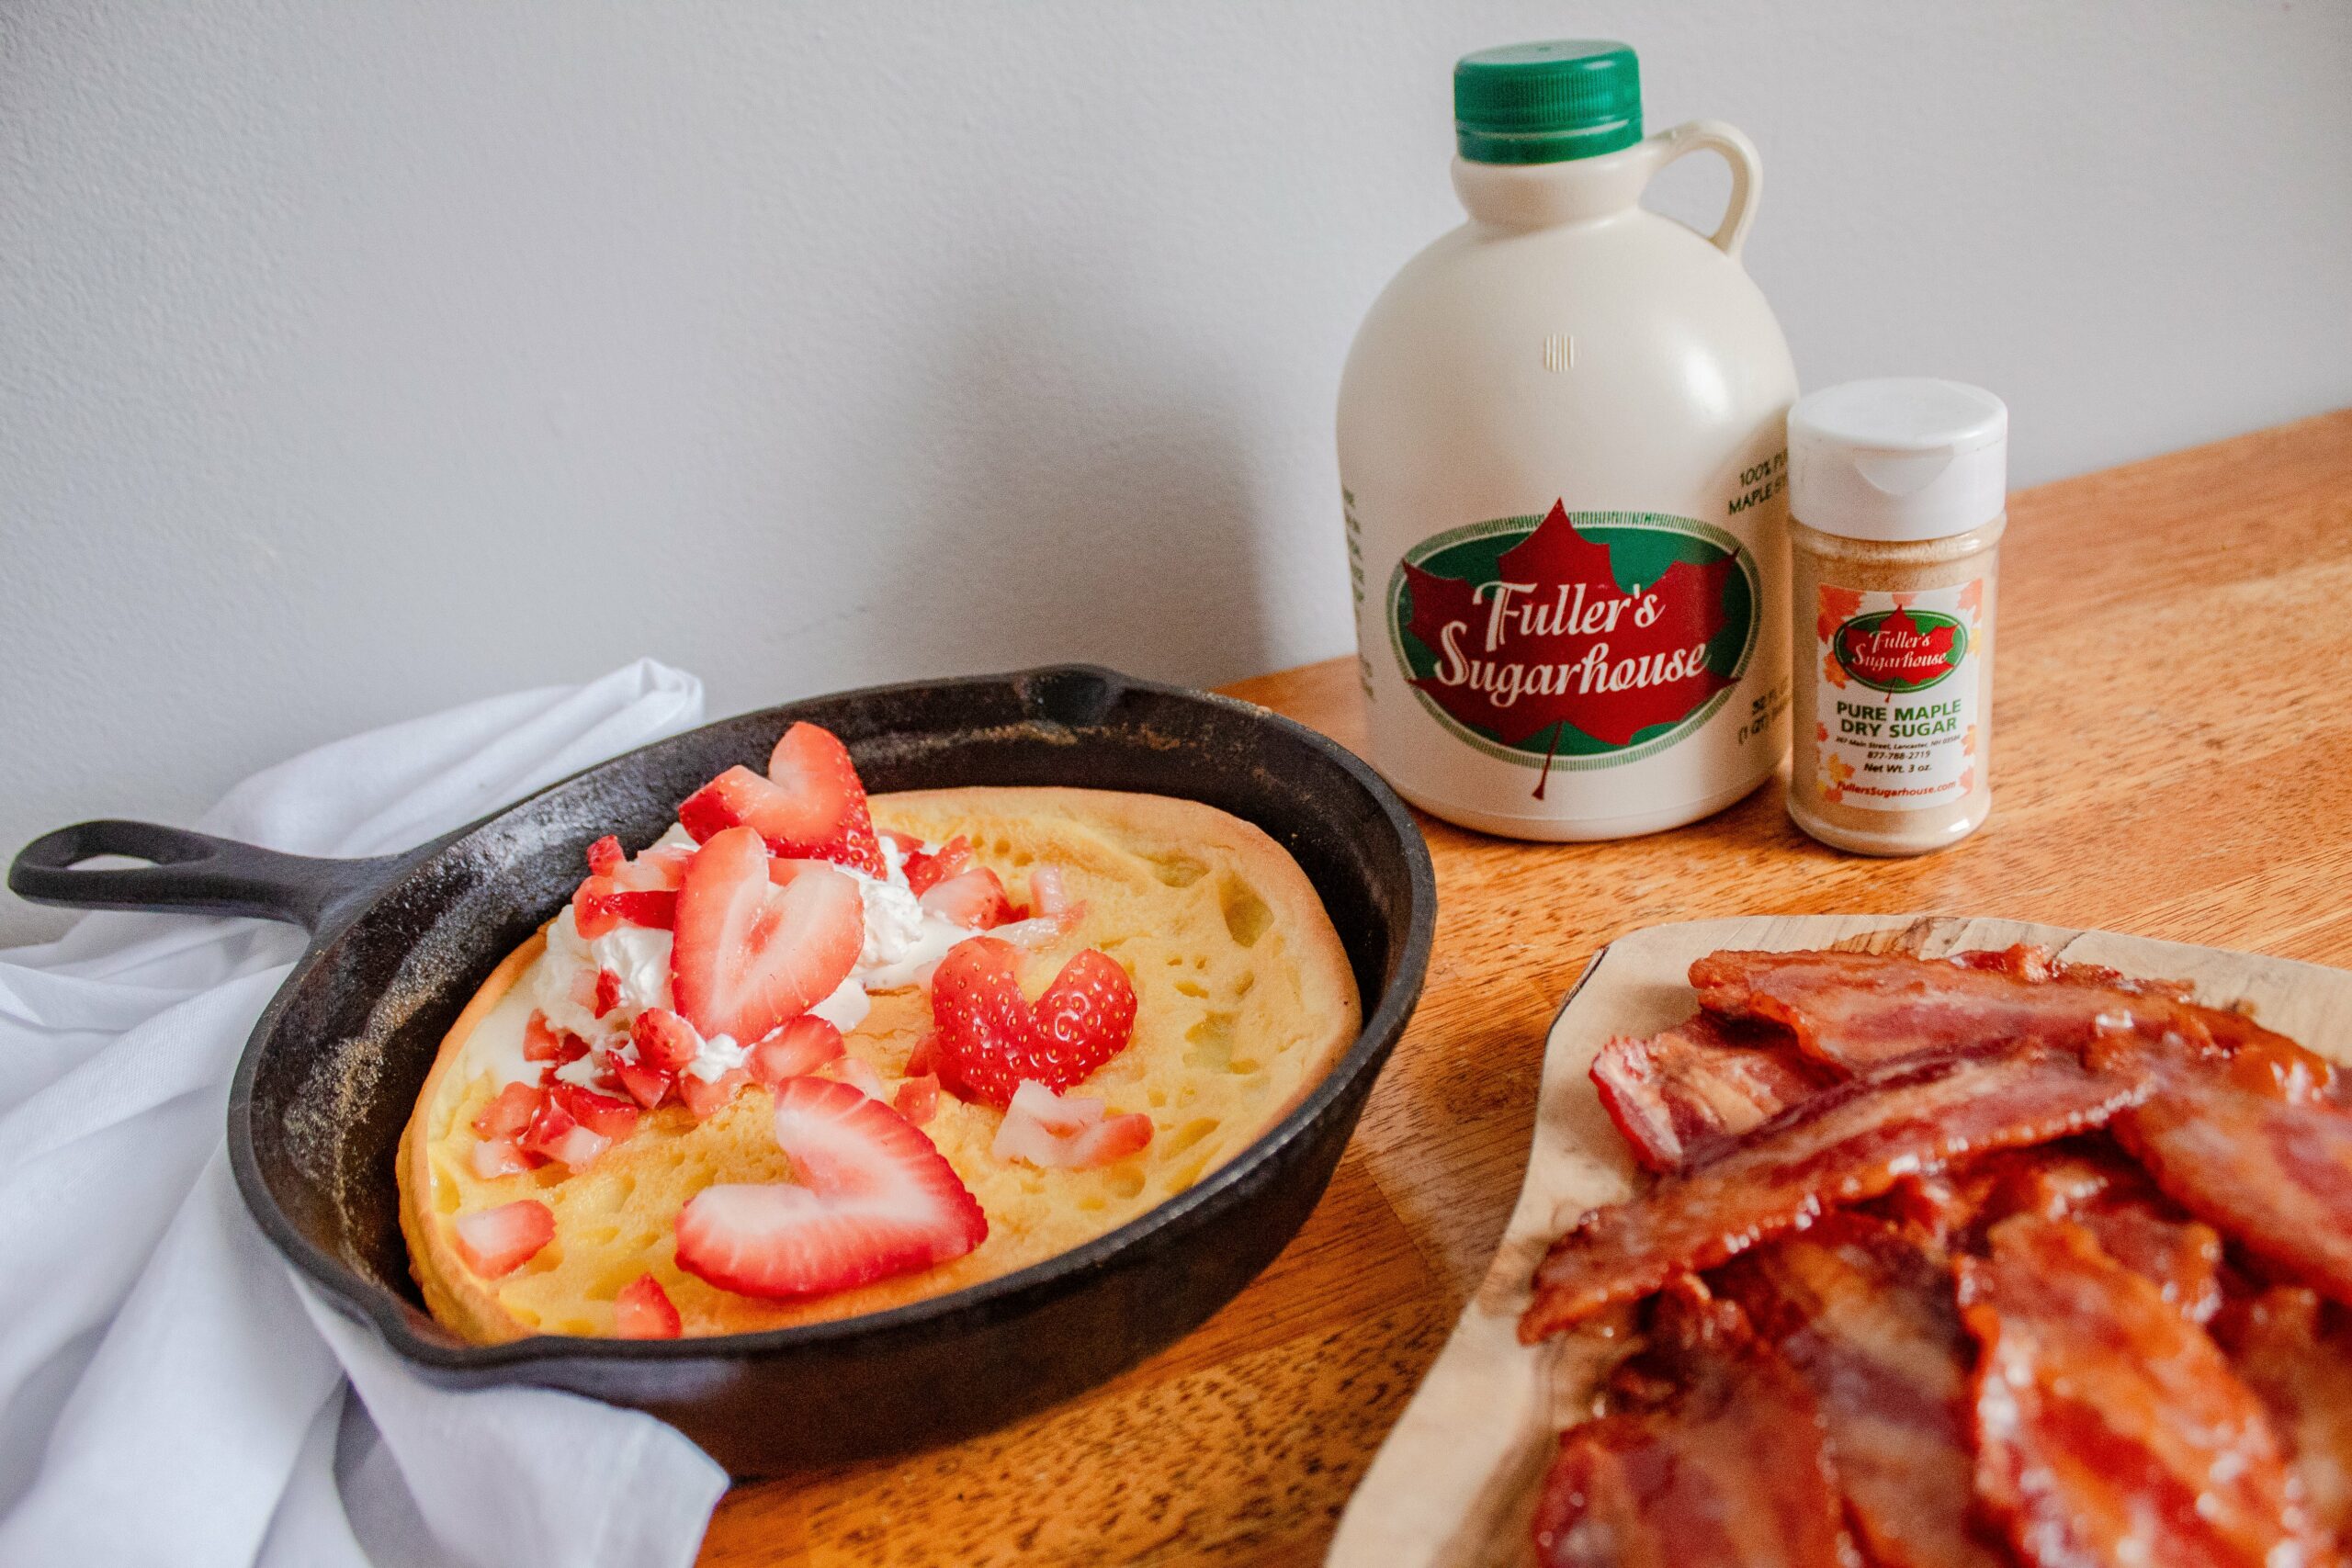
point(2172, 756)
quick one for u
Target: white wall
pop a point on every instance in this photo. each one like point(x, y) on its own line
point(358, 358)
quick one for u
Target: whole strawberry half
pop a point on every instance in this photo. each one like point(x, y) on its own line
point(875, 1199)
point(989, 1037)
point(810, 806)
point(748, 955)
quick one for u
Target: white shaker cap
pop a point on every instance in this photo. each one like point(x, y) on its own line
point(1899, 459)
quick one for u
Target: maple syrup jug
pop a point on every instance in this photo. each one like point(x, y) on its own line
point(1563, 454)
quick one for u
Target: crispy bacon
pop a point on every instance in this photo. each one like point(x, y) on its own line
point(1701, 1078)
point(2254, 1144)
point(1721, 1462)
point(2110, 1429)
point(2300, 1366)
point(1866, 1318)
point(1850, 1009)
point(1848, 1143)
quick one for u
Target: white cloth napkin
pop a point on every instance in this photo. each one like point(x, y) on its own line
point(168, 1392)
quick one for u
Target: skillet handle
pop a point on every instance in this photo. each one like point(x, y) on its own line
point(194, 872)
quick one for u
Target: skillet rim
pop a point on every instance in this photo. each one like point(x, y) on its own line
point(396, 1321)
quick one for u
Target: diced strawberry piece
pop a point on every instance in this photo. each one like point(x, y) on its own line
point(600, 1113)
point(608, 992)
point(861, 1074)
point(1066, 1132)
point(748, 955)
point(918, 1098)
point(498, 1241)
point(707, 1096)
point(800, 1047)
point(924, 1058)
point(1051, 898)
point(556, 1134)
point(569, 1047)
point(539, 1039)
point(643, 1311)
point(494, 1157)
point(510, 1108)
point(991, 1038)
point(810, 805)
point(649, 1085)
point(606, 856)
point(664, 1041)
point(876, 1199)
point(655, 871)
point(974, 899)
point(593, 914)
point(925, 870)
point(579, 1148)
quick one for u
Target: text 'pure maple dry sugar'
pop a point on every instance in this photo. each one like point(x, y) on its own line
point(1898, 497)
point(1561, 437)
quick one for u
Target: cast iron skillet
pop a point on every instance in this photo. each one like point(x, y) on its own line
point(399, 944)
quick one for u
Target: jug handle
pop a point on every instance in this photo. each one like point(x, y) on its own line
point(1746, 173)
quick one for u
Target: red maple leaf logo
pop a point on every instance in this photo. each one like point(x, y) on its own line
point(1554, 642)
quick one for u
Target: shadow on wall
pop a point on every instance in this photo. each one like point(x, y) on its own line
point(1087, 496)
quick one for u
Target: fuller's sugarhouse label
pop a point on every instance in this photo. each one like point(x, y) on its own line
point(1575, 639)
point(1897, 689)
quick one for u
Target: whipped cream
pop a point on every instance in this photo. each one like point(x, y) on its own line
point(902, 943)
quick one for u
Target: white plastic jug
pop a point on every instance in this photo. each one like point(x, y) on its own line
point(1563, 454)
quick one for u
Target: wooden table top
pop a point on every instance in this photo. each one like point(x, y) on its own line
point(2172, 757)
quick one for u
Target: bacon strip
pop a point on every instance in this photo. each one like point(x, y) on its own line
point(1848, 1143)
point(2110, 1429)
point(2253, 1144)
point(1727, 1470)
point(1702, 1078)
point(2302, 1370)
point(1866, 1318)
point(1850, 1009)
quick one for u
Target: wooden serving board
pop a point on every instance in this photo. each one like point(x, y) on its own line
point(1454, 1486)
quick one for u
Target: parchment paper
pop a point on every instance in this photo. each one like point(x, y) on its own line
point(1454, 1486)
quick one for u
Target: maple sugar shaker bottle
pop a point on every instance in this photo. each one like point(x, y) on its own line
point(1898, 497)
point(1561, 437)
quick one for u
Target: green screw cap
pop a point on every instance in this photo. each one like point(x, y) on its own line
point(1546, 103)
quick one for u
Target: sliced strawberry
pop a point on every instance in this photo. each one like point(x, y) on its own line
point(749, 955)
point(706, 1097)
point(608, 992)
point(606, 856)
point(1066, 1132)
point(558, 1135)
point(800, 1047)
point(494, 1157)
point(810, 805)
point(509, 1109)
point(664, 1041)
point(991, 1038)
point(499, 1241)
point(926, 870)
point(600, 1113)
point(917, 1100)
point(877, 1200)
point(974, 899)
point(643, 1311)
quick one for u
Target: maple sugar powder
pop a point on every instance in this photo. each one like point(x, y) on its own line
point(1897, 503)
